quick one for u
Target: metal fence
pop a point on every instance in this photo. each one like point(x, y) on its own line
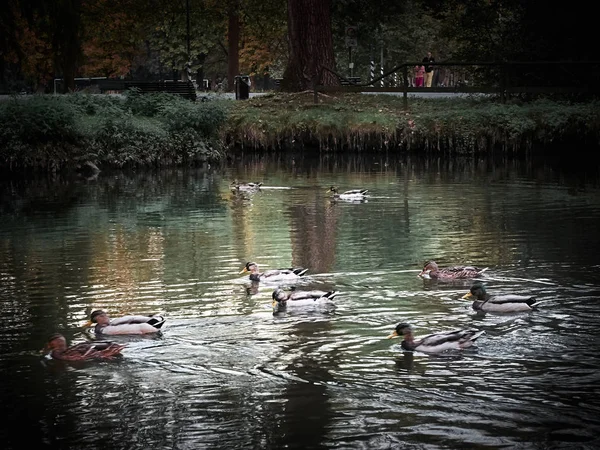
point(503, 79)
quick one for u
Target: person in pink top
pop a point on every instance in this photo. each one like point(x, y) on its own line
point(419, 75)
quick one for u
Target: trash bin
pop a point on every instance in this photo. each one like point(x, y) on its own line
point(242, 87)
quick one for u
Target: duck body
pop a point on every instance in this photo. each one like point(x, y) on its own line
point(438, 342)
point(432, 271)
point(273, 275)
point(284, 299)
point(84, 351)
point(131, 324)
point(351, 195)
point(244, 187)
point(506, 303)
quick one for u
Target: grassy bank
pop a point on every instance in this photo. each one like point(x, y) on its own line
point(58, 132)
point(375, 122)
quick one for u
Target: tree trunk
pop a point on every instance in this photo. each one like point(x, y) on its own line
point(67, 40)
point(311, 46)
point(233, 40)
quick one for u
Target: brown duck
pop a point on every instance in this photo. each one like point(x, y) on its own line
point(85, 351)
point(432, 271)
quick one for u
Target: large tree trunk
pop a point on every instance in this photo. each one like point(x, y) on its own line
point(233, 40)
point(67, 40)
point(311, 45)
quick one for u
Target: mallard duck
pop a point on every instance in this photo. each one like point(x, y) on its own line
point(498, 303)
point(351, 195)
point(273, 275)
point(435, 343)
point(432, 271)
point(283, 299)
point(246, 187)
point(125, 324)
point(85, 351)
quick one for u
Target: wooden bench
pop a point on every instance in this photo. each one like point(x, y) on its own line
point(185, 89)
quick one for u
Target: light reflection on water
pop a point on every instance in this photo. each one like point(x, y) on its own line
point(228, 373)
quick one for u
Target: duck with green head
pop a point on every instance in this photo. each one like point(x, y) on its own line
point(435, 343)
point(273, 275)
point(236, 186)
point(297, 298)
point(130, 324)
point(351, 195)
point(505, 303)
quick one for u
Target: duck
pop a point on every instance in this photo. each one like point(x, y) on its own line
point(273, 275)
point(485, 302)
point(246, 187)
point(130, 324)
point(84, 351)
point(437, 342)
point(351, 195)
point(283, 299)
point(432, 271)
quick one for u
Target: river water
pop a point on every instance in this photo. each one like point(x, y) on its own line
point(226, 372)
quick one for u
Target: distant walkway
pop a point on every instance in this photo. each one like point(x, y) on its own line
point(231, 95)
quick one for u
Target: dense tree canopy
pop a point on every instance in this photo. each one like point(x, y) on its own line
point(156, 39)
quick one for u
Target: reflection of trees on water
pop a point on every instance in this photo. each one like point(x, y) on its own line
point(37, 406)
point(303, 420)
point(314, 243)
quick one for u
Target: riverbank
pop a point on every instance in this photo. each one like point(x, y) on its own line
point(78, 131)
point(463, 125)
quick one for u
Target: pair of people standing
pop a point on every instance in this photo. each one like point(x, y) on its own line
point(424, 72)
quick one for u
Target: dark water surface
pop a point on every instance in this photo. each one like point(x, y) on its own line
point(228, 373)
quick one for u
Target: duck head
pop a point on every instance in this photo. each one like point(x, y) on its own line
point(251, 267)
point(402, 329)
point(99, 317)
point(333, 189)
point(477, 291)
point(279, 297)
point(430, 266)
point(56, 342)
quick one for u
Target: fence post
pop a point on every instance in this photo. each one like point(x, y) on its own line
point(405, 84)
point(504, 82)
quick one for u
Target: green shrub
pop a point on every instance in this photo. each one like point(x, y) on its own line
point(204, 118)
point(38, 120)
point(129, 143)
point(151, 105)
point(94, 105)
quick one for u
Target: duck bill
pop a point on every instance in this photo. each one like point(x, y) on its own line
point(393, 335)
point(88, 324)
point(468, 296)
point(244, 270)
point(274, 304)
